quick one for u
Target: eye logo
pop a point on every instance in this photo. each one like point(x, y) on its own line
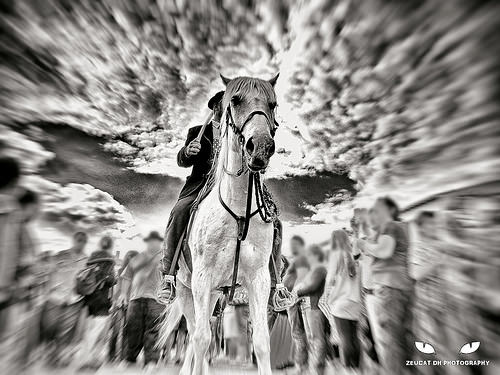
point(470, 347)
point(425, 347)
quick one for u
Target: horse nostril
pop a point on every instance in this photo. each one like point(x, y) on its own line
point(250, 146)
point(272, 148)
point(258, 162)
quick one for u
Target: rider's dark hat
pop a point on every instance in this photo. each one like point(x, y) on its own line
point(154, 235)
point(215, 99)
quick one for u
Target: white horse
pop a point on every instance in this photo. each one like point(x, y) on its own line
point(246, 145)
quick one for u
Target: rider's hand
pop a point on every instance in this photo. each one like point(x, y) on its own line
point(193, 148)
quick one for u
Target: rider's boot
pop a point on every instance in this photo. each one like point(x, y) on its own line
point(282, 298)
point(166, 290)
point(166, 293)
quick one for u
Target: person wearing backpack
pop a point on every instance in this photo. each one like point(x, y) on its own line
point(95, 282)
point(98, 279)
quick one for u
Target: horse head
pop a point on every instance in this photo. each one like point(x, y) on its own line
point(249, 105)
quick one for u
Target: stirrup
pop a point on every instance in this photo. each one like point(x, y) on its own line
point(282, 298)
point(166, 292)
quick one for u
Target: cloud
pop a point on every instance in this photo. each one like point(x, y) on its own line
point(81, 207)
point(401, 97)
point(30, 154)
point(69, 207)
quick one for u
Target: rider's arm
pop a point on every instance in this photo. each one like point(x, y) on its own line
point(184, 160)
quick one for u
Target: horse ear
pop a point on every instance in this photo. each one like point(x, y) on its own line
point(225, 80)
point(273, 80)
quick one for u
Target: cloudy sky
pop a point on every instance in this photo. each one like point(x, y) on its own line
point(374, 97)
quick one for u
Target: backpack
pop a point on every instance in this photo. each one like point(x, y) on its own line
point(87, 280)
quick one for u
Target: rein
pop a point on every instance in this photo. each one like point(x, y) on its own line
point(263, 210)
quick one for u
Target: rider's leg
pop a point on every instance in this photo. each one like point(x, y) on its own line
point(177, 222)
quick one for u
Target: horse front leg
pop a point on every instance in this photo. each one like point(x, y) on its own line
point(202, 296)
point(259, 288)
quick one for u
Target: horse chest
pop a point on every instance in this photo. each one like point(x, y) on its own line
point(213, 241)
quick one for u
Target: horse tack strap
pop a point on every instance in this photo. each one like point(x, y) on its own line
point(243, 223)
point(177, 253)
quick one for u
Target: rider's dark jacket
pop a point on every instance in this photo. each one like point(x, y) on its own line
point(201, 162)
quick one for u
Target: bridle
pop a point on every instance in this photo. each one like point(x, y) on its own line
point(254, 181)
point(238, 131)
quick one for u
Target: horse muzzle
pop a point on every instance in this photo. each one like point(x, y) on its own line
point(259, 150)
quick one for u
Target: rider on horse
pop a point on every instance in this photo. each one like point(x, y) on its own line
point(198, 154)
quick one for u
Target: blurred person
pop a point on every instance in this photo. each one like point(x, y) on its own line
point(344, 296)
point(297, 261)
point(10, 227)
point(215, 348)
point(231, 333)
point(30, 206)
point(316, 325)
point(390, 313)
point(131, 254)
point(471, 277)
point(117, 344)
point(242, 314)
point(484, 233)
point(139, 290)
point(366, 229)
point(13, 299)
point(63, 313)
point(425, 266)
point(99, 278)
point(282, 355)
point(31, 276)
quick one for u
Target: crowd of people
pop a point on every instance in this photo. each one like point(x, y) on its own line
point(363, 300)
point(377, 297)
point(70, 308)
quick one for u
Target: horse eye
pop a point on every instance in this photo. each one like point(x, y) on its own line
point(272, 105)
point(236, 100)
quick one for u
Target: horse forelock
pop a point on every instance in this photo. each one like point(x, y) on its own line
point(248, 87)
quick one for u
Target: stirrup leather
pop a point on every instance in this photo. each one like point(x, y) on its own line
point(282, 298)
point(166, 292)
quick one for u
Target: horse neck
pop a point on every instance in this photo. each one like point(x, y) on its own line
point(233, 189)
